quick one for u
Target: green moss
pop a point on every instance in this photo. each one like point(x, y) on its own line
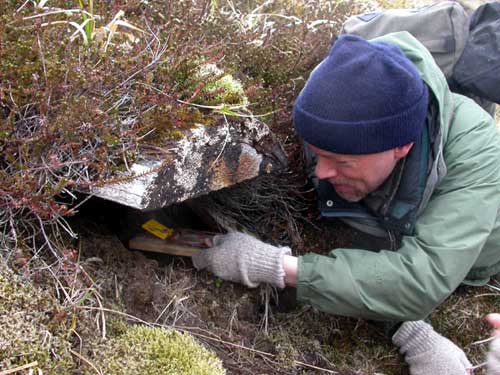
point(154, 351)
point(31, 330)
point(169, 124)
point(219, 88)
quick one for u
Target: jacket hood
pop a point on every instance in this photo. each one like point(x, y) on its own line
point(432, 75)
point(429, 71)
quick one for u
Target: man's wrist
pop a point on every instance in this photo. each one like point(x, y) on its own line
point(290, 266)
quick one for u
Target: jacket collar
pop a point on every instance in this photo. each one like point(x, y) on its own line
point(404, 201)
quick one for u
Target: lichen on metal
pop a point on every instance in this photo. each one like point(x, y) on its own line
point(206, 159)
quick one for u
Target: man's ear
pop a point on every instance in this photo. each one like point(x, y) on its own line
point(401, 152)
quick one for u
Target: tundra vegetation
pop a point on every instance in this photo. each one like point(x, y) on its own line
point(86, 89)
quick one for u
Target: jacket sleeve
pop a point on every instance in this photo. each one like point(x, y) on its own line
point(409, 283)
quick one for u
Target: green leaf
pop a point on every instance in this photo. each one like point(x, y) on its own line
point(217, 282)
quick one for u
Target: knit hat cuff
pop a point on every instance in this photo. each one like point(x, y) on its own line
point(363, 137)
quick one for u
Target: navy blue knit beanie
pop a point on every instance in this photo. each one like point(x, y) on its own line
point(363, 98)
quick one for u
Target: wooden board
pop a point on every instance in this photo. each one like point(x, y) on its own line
point(157, 245)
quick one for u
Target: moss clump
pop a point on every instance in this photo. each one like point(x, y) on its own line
point(168, 124)
point(30, 328)
point(144, 350)
point(224, 89)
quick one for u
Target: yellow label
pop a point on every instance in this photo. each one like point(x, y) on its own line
point(157, 229)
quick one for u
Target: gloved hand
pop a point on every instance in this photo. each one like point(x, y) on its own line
point(242, 258)
point(427, 352)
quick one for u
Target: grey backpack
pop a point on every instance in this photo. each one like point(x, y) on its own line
point(443, 28)
point(478, 69)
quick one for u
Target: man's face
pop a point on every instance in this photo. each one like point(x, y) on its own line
point(355, 176)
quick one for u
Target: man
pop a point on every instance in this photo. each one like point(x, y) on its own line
point(391, 138)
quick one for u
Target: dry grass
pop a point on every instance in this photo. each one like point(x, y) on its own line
point(403, 4)
point(461, 319)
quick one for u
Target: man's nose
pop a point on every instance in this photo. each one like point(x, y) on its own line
point(325, 170)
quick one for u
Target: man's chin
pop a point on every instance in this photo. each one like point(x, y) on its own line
point(353, 198)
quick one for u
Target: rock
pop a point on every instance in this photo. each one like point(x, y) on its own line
point(206, 159)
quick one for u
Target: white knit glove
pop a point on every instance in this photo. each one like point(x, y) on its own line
point(494, 357)
point(242, 258)
point(427, 352)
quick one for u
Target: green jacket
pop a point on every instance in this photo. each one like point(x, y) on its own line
point(456, 236)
